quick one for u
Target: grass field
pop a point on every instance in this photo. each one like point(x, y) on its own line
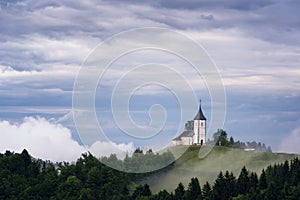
point(219, 159)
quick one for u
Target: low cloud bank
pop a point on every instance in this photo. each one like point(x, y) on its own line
point(51, 141)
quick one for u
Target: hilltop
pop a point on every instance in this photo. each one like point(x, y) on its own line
point(219, 159)
point(25, 177)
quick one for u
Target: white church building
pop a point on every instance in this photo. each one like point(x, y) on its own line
point(197, 136)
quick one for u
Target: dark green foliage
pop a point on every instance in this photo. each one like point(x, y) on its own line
point(140, 162)
point(224, 186)
point(262, 184)
point(230, 185)
point(141, 191)
point(253, 181)
point(231, 141)
point(220, 137)
point(219, 188)
point(271, 192)
point(69, 189)
point(243, 182)
point(179, 192)
point(23, 177)
point(294, 192)
point(194, 190)
point(138, 150)
point(206, 191)
point(163, 195)
point(280, 181)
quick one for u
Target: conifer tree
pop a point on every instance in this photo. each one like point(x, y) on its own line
point(179, 192)
point(219, 188)
point(253, 181)
point(206, 191)
point(230, 185)
point(262, 184)
point(243, 181)
point(194, 190)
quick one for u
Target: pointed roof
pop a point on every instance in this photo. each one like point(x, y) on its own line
point(200, 115)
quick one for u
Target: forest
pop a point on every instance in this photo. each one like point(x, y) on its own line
point(24, 177)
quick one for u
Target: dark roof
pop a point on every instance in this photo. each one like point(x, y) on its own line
point(185, 134)
point(200, 115)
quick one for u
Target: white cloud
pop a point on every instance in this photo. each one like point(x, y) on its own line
point(51, 141)
point(106, 148)
point(46, 49)
point(290, 144)
point(41, 138)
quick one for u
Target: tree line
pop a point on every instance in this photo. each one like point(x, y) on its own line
point(23, 177)
point(140, 161)
point(220, 137)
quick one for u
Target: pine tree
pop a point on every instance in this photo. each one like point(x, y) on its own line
point(253, 181)
point(146, 190)
point(141, 190)
point(230, 184)
point(163, 195)
point(285, 171)
point(206, 191)
point(194, 190)
point(295, 171)
point(179, 192)
point(262, 184)
point(243, 182)
point(219, 188)
point(137, 192)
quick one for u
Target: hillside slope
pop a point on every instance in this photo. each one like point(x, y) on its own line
point(220, 159)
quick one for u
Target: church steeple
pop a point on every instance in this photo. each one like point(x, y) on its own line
point(199, 137)
point(200, 115)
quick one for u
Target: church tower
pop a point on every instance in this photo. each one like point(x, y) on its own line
point(199, 137)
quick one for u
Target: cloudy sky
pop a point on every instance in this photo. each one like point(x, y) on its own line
point(43, 44)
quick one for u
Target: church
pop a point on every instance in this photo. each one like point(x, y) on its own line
point(197, 136)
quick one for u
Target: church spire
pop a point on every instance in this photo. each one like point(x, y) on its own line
point(200, 115)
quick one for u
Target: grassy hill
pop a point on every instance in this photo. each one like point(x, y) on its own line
point(219, 159)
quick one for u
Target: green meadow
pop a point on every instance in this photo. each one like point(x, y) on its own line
point(206, 169)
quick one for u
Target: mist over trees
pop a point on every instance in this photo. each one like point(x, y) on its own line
point(140, 161)
point(277, 182)
point(24, 177)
